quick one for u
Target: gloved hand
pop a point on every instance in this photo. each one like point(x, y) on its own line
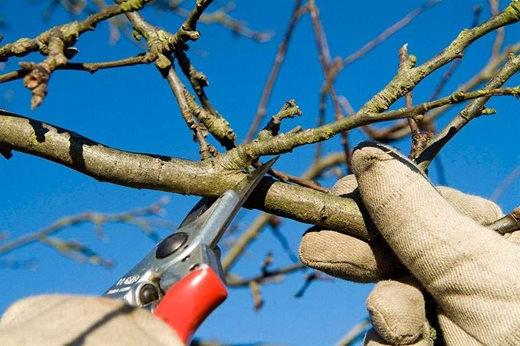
point(427, 244)
point(80, 320)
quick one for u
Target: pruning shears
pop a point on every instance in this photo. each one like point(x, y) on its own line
point(181, 280)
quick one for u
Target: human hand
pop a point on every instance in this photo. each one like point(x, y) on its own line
point(429, 241)
point(82, 320)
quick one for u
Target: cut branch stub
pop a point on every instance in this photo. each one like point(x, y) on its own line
point(289, 110)
point(38, 75)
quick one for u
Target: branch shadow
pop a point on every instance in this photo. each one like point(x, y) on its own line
point(80, 339)
point(76, 142)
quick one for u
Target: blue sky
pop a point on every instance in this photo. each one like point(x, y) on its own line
point(133, 109)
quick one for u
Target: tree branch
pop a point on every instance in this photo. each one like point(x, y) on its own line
point(341, 64)
point(505, 184)
point(187, 111)
point(402, 83)
point(471, 111)
point(97, 219)
point(222, 17)
point(212, 120)
point(155, 172)
point(91, 67)
point(401, 129)
point(210, 178)
point(238, 248)
point(355, 333)
point(287, 142)
point(162, 44)
point(67, 32)
point(275, 70)
point(265, 276)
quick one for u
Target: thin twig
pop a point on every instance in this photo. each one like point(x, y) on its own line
point(267, 276)
point(477, 10)
point(418, 139)
point(67, 32)
point(324, 58)
point(162, 44)
point(182, 97)
point(471, 111)
point(402, 83)
point(501, 32)
point(505, 184)
point(76, 251)
point(309, 279)
point(221, 17)
point(212, 120)
point(245, 239)
point(355, 333)
point(275, 70)
point(382, 37)
point(400, 129)
point(91, 67)
point(256, 293)
point(392, 29)
point(69, 221)
point(297, 180)
point(282, 144)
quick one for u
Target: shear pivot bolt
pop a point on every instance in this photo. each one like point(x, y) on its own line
point(171, 244)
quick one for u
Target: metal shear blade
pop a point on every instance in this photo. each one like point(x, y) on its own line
point(211, 218)
point(193, 244)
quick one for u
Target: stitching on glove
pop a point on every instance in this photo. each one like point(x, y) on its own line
point(388, 334)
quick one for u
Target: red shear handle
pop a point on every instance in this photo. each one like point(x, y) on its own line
point(191, 300)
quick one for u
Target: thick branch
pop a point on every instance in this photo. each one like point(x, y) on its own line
point(264, 219)
point(210, 178)
point(215, 176)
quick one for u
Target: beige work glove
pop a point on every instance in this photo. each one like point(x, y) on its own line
point(427, 245)
point(80, 320)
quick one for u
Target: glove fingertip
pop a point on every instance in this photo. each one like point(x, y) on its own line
point(397, 311)
point(345, 185)
point(346, 257)
point(481, 210)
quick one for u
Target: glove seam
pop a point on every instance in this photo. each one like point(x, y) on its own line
point(391, 333)
point(336, 262)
